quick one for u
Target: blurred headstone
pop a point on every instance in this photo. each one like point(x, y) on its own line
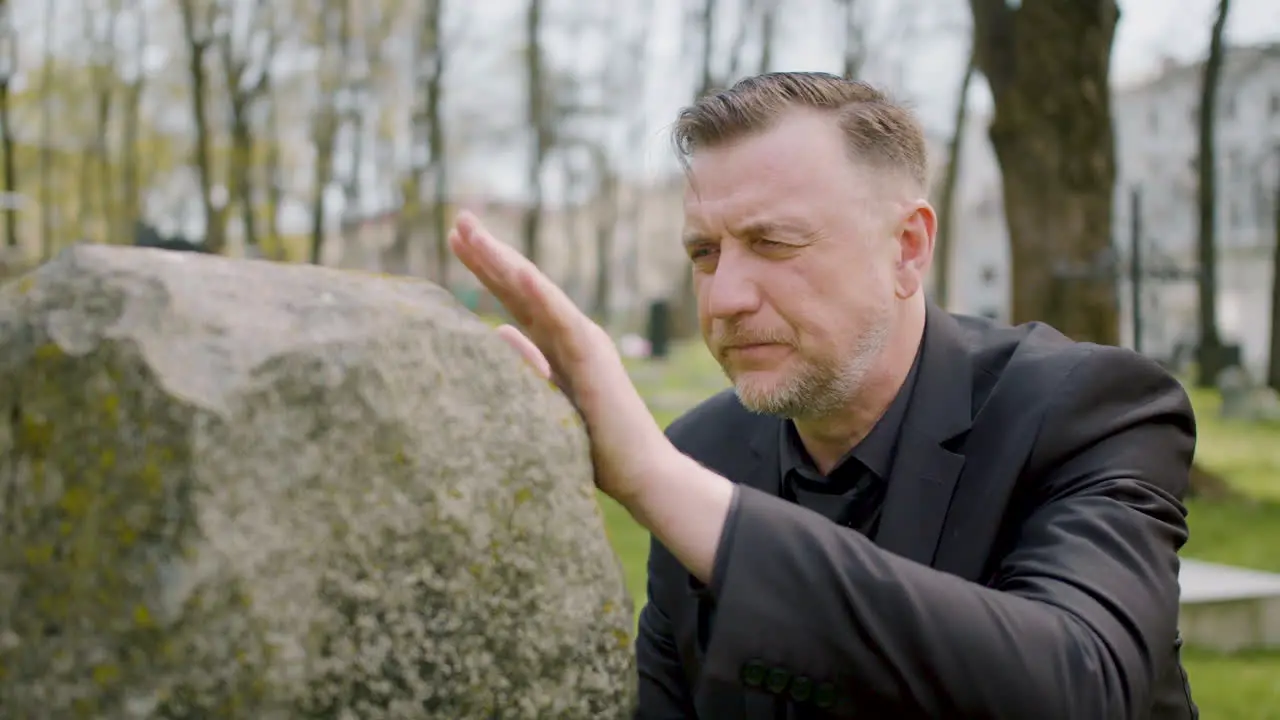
point(1236, 392)
point(659, 329)
point(242, 489)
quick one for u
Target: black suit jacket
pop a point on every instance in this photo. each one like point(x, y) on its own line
point(1025, 566)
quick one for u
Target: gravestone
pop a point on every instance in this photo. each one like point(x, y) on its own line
point(1242, 399)
point(1236, 392)
point(659, 329)
point(241, 489)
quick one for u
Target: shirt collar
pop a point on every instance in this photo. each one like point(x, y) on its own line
point(875, 452)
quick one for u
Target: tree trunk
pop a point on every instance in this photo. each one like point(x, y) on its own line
point(131, 183)
point(198, 42)
point(538, 124)
point(337, 39)
point(1048, 67)
point(945, 246)
point(768, 21)
point(855, 52)
point(242, 171)
point(275, 180)
point(1209, 354)
point(46, 133)
point(605, 228)
point(10, 175)
point(1273, 366)
point(436, 141)
point(684, 310)
point(105, 74)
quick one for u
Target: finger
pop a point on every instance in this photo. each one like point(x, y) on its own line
point(526, 292)
point(527, 349)
point(497, 277)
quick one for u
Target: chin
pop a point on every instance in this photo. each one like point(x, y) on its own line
point(759, 394)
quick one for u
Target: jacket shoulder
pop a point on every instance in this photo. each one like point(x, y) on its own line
point(1040, 362)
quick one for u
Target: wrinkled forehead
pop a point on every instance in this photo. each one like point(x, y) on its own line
point(789, 198)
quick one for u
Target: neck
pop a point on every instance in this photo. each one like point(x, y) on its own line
point(830, 437)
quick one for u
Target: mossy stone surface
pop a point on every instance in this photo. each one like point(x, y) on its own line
point(240, 489)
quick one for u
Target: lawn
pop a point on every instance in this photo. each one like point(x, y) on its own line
point(1242, 532)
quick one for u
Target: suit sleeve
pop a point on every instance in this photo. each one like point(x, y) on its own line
point(663, 692)
point(1076, 623)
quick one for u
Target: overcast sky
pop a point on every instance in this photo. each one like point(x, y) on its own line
point(920, 65)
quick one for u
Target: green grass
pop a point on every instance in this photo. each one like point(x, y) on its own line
point(1244, 531)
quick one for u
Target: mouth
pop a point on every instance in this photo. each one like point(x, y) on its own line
point(752, 351)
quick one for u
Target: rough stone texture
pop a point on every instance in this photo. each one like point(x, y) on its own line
point(237, 489)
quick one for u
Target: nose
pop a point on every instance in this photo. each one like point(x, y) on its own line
point(731, 290)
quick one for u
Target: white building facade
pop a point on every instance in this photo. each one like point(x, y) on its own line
point(1156, 129)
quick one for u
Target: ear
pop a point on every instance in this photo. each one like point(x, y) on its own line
point(915, 236)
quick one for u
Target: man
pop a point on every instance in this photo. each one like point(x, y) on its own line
point(895, 513)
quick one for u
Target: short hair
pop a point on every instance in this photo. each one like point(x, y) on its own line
point(877, 130)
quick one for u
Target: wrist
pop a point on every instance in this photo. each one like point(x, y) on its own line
point(683, 505)
point(652, 466)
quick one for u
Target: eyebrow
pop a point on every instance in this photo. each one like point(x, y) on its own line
point(758, 228)
point(769, 227)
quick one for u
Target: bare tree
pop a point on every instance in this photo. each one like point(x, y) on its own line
point(135, 77)
point(624, 77)
point(946, 222)
point(1273, 361)
point(538, 117)
point(433, 72)
point(1209, 350)
point(101, 23)
point(768, 29)
point(46, 133)
point(855, 44)
point(8, 54)
point(684, 309)
point(335, 38)
point(1047, 63)
point(428, 167)
point(247, 48)
point(198, 18)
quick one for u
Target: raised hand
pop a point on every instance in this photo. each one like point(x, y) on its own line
point(564, 345)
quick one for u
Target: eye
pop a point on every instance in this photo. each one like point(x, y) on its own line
point(771, 244)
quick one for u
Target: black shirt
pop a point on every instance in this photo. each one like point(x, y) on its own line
point(853, 492)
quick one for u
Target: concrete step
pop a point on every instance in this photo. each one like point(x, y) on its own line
point(1229, 609)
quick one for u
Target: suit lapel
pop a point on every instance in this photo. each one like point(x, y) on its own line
point(758, 468)
point(925, 469)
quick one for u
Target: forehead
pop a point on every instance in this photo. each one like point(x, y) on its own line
point(797, 166)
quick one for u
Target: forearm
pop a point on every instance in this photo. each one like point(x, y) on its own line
point(685, 506)
point(898, 636)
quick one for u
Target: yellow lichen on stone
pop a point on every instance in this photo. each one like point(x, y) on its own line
point(105, 674)
point(623, 638)
point(75, 502)
point(142, 617)
point(48, 351)
point(111, 407)
point(523, 495)
point(35, 436)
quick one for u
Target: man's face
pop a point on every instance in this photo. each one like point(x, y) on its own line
point(796, 265)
